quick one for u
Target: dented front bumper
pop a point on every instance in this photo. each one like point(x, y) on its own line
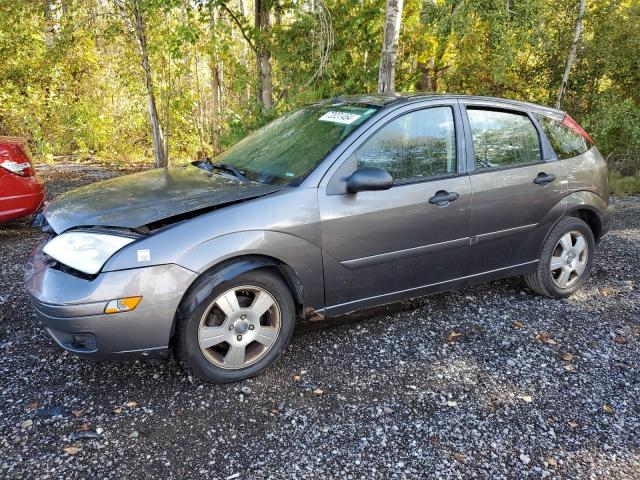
point(72, 308)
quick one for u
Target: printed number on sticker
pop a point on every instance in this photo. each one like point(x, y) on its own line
point(339, 117)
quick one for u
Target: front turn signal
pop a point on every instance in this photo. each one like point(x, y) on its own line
point(126, 304)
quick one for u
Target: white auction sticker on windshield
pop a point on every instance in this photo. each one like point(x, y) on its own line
point(345, 118)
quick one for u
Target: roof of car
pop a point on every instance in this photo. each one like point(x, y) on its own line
point(389, 99)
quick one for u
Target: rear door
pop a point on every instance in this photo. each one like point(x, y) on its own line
point(382, 245)
point(518, 185)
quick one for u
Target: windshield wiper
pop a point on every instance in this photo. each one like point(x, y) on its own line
point(227, 168)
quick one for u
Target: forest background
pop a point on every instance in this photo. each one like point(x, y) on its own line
point(155, 82)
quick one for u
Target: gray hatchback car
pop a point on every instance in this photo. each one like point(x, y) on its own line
point(341, 205)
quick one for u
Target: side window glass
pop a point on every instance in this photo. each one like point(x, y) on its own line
point(417, 145)
point(502, 139)
point(566, 142)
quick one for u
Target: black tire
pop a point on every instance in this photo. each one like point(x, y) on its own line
point(193, 309)
point(542, 280)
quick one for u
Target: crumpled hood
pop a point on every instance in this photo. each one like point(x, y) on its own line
point(132, 201)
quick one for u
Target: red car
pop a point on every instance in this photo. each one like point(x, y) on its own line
point(21, 192)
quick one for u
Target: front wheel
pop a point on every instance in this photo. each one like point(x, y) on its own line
point(239, 329)
point(565, 260)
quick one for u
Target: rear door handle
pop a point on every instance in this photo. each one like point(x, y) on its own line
point(543, 179)
point(442, 198)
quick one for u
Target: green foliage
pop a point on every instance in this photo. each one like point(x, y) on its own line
point(624, 185)
point(84, 95)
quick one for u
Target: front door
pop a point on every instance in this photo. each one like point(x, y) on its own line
point(379, 246)
point(518, 188)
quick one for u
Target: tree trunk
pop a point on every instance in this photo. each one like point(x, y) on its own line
point(216, 74)
point(50, 8)
point(572, 53)
point(246, 92)
point(160, 152)
point(388, 58)
point(263, 55)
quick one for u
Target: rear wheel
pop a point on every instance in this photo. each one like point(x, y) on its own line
point(565, 260)
point(239, 329)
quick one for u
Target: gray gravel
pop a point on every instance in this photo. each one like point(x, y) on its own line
point(490, 381)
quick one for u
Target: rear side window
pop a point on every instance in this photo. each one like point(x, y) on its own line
point(567, 143)
point(418, 145)
point(503, 139)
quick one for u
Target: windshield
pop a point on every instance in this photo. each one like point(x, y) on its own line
point(287, 149)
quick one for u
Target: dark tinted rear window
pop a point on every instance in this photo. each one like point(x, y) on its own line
point(566, 142)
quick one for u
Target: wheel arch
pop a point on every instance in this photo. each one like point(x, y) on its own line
point(588, 207)
point(207, 281)
point(584, 205)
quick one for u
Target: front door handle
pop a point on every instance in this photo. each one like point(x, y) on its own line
point(442, 198)
point(543, 179)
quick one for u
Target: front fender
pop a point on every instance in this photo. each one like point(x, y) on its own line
point(303, 257)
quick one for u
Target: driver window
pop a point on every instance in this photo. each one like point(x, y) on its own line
point(415, 146)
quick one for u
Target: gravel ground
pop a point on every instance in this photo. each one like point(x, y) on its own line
point(490, 381)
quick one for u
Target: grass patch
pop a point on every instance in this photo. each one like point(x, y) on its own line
point(622, 185)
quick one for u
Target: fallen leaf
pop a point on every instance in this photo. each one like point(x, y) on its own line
point(297, 378)
point(452, 403)
point(573, 424)
point(453, 336)
point(518, 325)
point(545, 338)
point(77, 413)
point(620, 340)
point(83, 428)
point(552, 462)
point(567, 357)
point(275, 411)
point(131, 404)
point(526, 398)
point(569, 368)
point(117, 410)
point(26, 424)
point(134, 434)
point(31, 407)
point(71, 450)
point(459, 456)
point(318, 391)
point(607, 408)
point(606, 291)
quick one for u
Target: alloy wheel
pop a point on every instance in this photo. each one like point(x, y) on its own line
point(239, 327)
point(569, 259)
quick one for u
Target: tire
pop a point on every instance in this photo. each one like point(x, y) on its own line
point(549, 281)
point(228, 327)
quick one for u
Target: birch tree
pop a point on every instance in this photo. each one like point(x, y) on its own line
point(572, 53)
point(133, 18)
point(388, 58)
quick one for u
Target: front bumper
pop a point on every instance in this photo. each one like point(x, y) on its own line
point(72, 308)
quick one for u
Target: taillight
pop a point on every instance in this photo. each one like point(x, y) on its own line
point(15, 159)
point(569, 122)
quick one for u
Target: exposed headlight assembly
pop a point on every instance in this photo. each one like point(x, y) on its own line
point(85, 251)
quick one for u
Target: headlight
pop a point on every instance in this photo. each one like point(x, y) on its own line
point(84, 251)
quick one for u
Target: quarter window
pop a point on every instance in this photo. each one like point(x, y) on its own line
point(566, 143)
point(417, 145)
point(503, 139)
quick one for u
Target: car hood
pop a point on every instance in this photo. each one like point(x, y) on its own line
point(136, 200)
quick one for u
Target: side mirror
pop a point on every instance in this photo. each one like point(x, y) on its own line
point(369, 178)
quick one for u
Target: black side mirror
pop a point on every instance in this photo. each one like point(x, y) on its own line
point(369, 178)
